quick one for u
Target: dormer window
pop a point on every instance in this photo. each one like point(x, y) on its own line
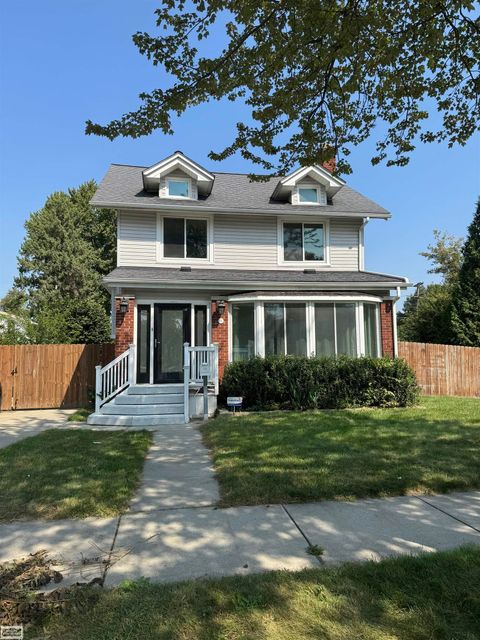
point(308, 195)
point(178, 188)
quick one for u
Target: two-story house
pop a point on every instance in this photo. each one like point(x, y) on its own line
point(257, 268)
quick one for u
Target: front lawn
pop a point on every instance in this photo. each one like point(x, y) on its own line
point(277, 457)
point(422, 598)
point(71, 474)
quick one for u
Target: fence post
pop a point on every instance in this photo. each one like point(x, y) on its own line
point(186, 382)
point(98, 387)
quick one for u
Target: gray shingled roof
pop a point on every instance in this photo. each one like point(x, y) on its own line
point(123, 186)
point(164, 275)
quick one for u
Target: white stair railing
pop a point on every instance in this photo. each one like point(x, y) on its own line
point(198, 363)
point(114, 377)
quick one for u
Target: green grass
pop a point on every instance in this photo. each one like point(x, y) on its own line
point(341, 455)
point(430, 597)
point(80, 415)
point(70, 474)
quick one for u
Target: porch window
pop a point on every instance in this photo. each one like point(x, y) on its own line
point(303, 241)
point(325, 329)
point(335, 329)
point(285, 329)
point(370, 329)
point(243, 332)
point(184, 238)
point(346, 329)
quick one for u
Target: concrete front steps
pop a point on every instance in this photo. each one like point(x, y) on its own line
point(142, 406)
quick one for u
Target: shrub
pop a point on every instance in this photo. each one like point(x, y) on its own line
point(293, 382)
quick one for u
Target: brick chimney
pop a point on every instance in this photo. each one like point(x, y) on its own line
point(330, 165)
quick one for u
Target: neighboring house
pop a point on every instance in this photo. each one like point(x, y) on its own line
point(257, 268)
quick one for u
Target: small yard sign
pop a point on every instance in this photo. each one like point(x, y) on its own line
point(235, 402)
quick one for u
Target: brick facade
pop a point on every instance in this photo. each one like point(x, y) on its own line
point(386, 326)
point(220, 336)
point(124, 326)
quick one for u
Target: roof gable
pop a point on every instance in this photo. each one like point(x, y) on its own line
point(175, 162)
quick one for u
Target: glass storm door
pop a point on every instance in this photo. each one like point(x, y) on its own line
point(171, 330)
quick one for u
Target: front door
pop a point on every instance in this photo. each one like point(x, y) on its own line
point(171, 330)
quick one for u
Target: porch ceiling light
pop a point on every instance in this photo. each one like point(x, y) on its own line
point(123, 305)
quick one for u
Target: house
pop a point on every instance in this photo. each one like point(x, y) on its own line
point(213, 268)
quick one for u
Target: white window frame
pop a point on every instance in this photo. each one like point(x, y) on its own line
point(312, 264)
point(169, 179)
point(191, 216)
point(310, 302)
point(321, 194)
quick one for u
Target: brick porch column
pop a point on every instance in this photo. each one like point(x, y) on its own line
point(386, 328)
point(124, 324)
point(220, 336)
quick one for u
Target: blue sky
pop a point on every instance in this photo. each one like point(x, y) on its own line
point(64, 62)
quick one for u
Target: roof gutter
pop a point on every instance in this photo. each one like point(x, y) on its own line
point(206, 210)
point(247, 286)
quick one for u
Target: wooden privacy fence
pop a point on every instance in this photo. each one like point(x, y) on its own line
point(443, 370)
point(43, 376)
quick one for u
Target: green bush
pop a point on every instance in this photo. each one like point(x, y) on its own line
point(293, 382)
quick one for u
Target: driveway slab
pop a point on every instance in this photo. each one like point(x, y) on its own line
point(178, 472)
point(79, 547)
point(16, 425)
point(464, 506)
point(191, 543)
point(373, 529)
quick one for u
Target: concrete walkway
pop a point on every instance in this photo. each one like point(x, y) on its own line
point(175, 544)
point(178, 471)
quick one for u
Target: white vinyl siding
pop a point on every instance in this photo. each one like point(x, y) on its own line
point(240, 242)
point(137, 238)
point(245, 242)
point(344, 244)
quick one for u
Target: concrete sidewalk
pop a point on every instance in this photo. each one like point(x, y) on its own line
point(176, 544)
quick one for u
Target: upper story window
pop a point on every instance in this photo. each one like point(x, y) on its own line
point(178, 188)
point(303, 241)
point(308, 195)
point(185, 238)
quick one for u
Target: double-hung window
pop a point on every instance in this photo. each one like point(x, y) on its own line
point(303, 241)
point(185, 238)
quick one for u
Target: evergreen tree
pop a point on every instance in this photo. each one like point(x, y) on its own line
point(466, 302)
point(69, 246)
point(427, 318)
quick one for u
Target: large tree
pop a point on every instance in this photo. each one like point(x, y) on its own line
point(427, 314)
point(466, 304)
point(317, 76)
point(68, 246)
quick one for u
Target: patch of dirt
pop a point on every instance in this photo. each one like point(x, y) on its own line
point(21, 598)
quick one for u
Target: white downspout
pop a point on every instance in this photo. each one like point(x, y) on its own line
point(394, 319)
point(361, 244)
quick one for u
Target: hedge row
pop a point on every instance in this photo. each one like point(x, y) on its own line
point(292, 382)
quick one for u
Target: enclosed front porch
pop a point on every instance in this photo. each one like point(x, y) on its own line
point(179, 347)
